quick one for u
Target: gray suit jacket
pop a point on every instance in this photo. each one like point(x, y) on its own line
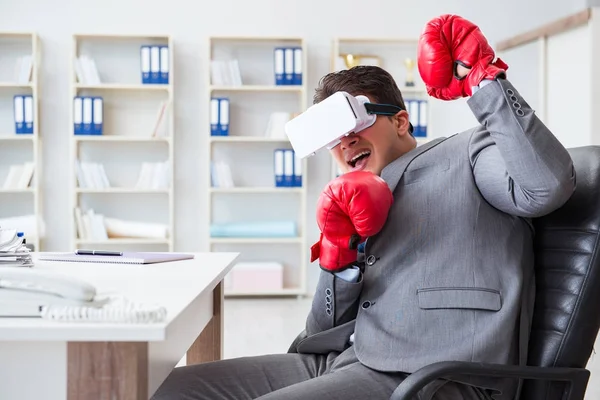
point(450, 276)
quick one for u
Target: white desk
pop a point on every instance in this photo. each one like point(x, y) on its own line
point(53, 360)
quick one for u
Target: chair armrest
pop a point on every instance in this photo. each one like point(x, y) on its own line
point(576, 377)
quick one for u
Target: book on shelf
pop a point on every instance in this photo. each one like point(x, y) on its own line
point(19, 176)
point(220, 174)
point(154, 175)
point(86, 71)
point(276, 124)
point(225, 73)
point(154, 64)
point(23, 69)
point(95, 226)
point(91, 175)
point(287, 65)
point(161, 126)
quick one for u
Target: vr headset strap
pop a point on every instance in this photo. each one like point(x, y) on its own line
point(386, 109)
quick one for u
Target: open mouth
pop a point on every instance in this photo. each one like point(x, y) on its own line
point(360, 159)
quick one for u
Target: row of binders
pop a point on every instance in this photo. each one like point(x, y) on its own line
point(23, 113)
point(417, 113)
point(288, 65)
point(154, 60)
point(287, 168)
point(88, 115)
point(219, 116)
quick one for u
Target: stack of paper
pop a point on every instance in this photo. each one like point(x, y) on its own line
point(13, 252)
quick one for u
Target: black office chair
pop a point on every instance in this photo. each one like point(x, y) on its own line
point(567, 309)
point(566, 317)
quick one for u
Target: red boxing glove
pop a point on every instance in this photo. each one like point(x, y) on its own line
point(352, 207)
point(449, 40)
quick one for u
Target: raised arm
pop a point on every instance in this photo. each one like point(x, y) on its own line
point(518, 164)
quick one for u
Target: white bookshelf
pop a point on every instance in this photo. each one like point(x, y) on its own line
point(248, 150)
point(389, 53)
point(20, 199)
point(131, 110)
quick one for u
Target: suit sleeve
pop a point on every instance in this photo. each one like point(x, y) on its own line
point(335, 302)
point(519, 166)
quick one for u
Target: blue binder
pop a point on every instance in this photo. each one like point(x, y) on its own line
point(19, 113)
point(214, 117)
point(154, 64)
point(423, 118)
point(288, 168)
point(288, 66)
point(164, 65)
point(88, 116)
point(297, 182)
point(28, 114)
point(145, 64)
point(224, 117)
point(412, 106)
point(297, 77)
point(97, 115)
point(278, 169)
point(279, 65)
point(78, 116)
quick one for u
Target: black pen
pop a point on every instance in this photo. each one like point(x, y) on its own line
point(98, 253)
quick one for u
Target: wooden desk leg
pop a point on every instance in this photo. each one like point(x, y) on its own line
point(209, 345)
point(107, 370)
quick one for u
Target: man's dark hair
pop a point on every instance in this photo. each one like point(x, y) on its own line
point(372, 81)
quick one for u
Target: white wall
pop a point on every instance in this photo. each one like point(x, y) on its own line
point(190, 23)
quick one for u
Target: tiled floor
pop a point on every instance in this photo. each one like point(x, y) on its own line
point(254, 327)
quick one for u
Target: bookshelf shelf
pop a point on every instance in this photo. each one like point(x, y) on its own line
point(123, 190)
point(12, 85)
point(20, 153)
point(256, 190)
point(258, 88)
point(130, 162)
point(27, 190)
point(233, 240)
point(247, 152)
point(115, 86)
point(267, 293)
point(389, 53)
point(122, 241)
point(257, 139)
point(18, 138)
point(121, 138)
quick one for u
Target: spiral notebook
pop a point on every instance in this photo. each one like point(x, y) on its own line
point(127, 257)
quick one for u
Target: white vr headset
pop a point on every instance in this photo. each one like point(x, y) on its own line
point(326, 123)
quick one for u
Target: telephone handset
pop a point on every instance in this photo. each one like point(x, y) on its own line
point(25, 291)
point(31, 292)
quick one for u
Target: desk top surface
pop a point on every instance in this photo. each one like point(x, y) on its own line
point(174, 285)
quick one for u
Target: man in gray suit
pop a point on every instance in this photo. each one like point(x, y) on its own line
point(450, 275)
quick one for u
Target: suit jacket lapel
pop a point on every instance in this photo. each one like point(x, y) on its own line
point(392, 173)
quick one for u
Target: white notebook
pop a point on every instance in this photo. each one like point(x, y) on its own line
point(128, 257)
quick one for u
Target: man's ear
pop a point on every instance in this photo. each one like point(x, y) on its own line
point(401, 123)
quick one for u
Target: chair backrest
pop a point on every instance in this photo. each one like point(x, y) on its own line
point(566, 317)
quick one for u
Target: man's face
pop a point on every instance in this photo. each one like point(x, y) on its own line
point(375, 147)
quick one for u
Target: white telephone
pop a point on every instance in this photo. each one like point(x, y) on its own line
point(30, 292)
